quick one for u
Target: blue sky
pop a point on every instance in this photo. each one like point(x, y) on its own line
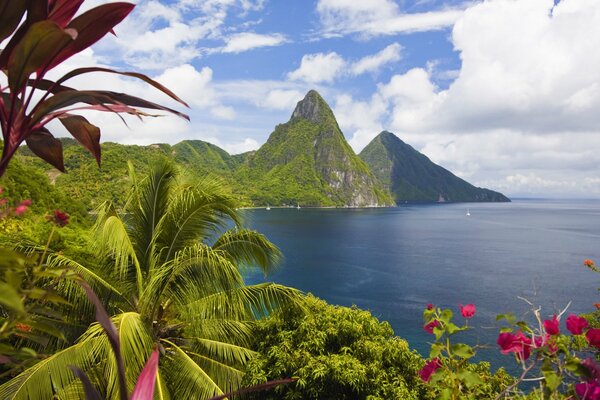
point(504, 93)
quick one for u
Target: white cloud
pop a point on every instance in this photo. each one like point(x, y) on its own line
point(319, 67)
point(247, 40)
point(374, 62)
point(378, 17)
point(282, 99)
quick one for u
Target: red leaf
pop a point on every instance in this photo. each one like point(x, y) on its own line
point(144, 387)
point(62, 11)
point(92, 26)
point(65, 99)
point(111, 331)
point(11, 13)
point(85, 133)
point(143, 77)
point(46, 147)
point(37, 48)
point(37, 10)
point(123, 98)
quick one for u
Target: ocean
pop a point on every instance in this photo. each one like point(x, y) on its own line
point(394, 261)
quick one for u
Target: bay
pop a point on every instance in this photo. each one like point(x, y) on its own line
point(394, 261)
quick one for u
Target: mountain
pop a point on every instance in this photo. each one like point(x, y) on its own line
point(307, 161)
point(411, 176)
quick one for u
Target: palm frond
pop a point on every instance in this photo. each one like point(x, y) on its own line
point(195, 271)
point(114, 242)
point(248, 248)
point(161, 390)
point(153, 195)
point(189, 379)
point(243, 303)
point(195, 213)
point(225, 352)
point(136, 345)
point(50, 375)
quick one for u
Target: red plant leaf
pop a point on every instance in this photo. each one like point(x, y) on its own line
point(11, 13)
point(144, 387)
point(143, 77)
point(90, 391)
point(85, 133)
point(37, 48)
point(111, 332)
point(46, 147)
point(92, 26)
point(62, 11)
point(37, 10)
point(123, 98)
point(65, 99)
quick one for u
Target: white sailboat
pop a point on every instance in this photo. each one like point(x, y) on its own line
point(298, 206)
point(468, 213)
point(268, 207)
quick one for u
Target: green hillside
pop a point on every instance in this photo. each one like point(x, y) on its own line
point(411, 176)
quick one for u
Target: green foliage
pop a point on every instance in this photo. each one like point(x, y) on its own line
point(336, 353)
point(411, 176)
point(170, 274)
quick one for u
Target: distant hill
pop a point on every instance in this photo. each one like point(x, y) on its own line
point(411, 176)
point(305, 161)
point(308, 161)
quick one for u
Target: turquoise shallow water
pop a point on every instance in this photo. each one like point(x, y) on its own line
point(394, 261)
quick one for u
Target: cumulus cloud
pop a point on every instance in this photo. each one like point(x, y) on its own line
point(319, 67)
point(374, 62)
point(378, 17)
point(521, 110)
point(248, 40)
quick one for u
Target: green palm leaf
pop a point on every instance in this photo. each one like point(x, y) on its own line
point(248, 248)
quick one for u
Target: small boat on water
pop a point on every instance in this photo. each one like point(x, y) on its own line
point(468, 213)
point(298, 206)
point(267, 208)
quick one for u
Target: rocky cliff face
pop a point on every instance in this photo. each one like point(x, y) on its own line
point(308, 161)
point(411, 176)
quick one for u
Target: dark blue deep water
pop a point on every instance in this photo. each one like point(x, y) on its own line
point(394, 261)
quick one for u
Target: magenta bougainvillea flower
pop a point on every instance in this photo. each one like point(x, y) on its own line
point(588, 390)
point(429, 369)
point(593, 337)
point(430, 306)
point(576, 325)
point(588, 263)
point(518, 343)
point(429, 327)
point(552, 326)
point(467, 311)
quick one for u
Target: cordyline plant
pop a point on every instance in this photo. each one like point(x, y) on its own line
point(41, 35)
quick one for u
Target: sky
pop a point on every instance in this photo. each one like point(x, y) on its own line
point(504, 93)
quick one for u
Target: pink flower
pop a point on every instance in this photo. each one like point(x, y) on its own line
point(26, 202)
point(430, 368)
point(430, 306)
point(20, 210)
point(593, 369)
point(429, 327)
point(517, 343)
point(467, 311)
point(588, 390)
point(552, 326)
point(593, 337)
point(576, 324)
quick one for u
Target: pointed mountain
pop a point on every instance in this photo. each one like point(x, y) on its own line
point(411, 176)
point(307, 161)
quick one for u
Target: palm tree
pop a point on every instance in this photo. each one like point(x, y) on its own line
point(171, 274)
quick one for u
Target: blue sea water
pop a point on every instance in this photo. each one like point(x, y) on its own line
point(394, 261)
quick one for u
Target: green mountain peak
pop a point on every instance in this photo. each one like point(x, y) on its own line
point(411, 176)
point(313, 108)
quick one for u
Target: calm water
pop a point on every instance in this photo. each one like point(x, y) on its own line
point(395, 261)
